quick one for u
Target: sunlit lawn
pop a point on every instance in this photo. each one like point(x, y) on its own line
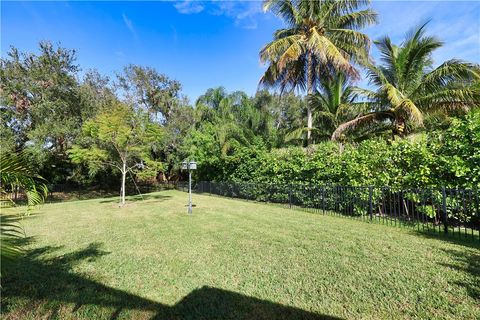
point(232, 259)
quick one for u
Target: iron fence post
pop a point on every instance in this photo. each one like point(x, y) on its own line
point(444, 211)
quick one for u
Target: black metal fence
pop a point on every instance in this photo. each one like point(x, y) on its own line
point(454, 212)
point(130, 188)
point(61, 192)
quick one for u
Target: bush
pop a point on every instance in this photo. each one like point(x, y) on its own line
point(450, 158)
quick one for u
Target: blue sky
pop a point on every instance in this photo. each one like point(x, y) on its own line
point(207, 44)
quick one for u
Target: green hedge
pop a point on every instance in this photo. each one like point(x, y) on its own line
point(448, 158)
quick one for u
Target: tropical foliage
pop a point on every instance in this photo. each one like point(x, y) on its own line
point(93, 131)
point(409, 87)
point(15, 176)
point(320, 37)
point(447, 158)
point(333, 104)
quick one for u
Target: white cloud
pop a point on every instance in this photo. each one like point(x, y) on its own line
point(467, 48)
point(129, 25)
point(189, 7)
point(243, 13)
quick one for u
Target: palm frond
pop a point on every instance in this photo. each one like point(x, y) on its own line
point(451, 99)
point(342, 37)
point(282, 8)
point(329, 54)
point(325, 116)
point(388, 52)
point(369, 94)
point(395, 97)
point(408, 110)
point(293, 52)
point(299, 134)
point(358, 20)
point(453, 70)
point(296, 134)
point(359, 121)
point(416, 58)
point(14, 175)
point(277, 48)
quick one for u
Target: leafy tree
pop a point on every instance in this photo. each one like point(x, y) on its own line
point(148, 89)
point(289, 112)
point(96, 93)
point(169, 149)
point(202, 145)
point(409, 87)
point(120, 138)
point(160, 97)
point(40, 106)
point(320, 36)
point(263, 115)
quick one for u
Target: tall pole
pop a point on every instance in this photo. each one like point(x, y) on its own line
point(189, 190)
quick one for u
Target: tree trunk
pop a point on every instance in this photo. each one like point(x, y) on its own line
point(399, 127)
point(124, 175)
point(309, 92)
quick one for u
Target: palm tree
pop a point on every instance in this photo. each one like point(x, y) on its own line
point(409, 87)
point(15, 175)
point(320, 35)
point(221, 109)
point(332, 103)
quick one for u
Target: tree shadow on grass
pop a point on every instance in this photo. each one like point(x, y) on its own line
point(149, 196)
point(213, 303)
point(467, 241)
point(80, 194)
point(50, 288)
point(466, 260)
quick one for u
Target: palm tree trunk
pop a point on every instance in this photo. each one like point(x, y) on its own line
point(399, 127)
point(309, 92)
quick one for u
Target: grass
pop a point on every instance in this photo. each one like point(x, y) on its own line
point(232, 259)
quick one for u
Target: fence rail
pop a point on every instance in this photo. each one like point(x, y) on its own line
point(454, 212)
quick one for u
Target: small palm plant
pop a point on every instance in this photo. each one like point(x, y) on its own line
point(410, 88)
point(15, 175)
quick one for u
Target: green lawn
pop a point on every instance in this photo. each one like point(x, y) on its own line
point(232, 259)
